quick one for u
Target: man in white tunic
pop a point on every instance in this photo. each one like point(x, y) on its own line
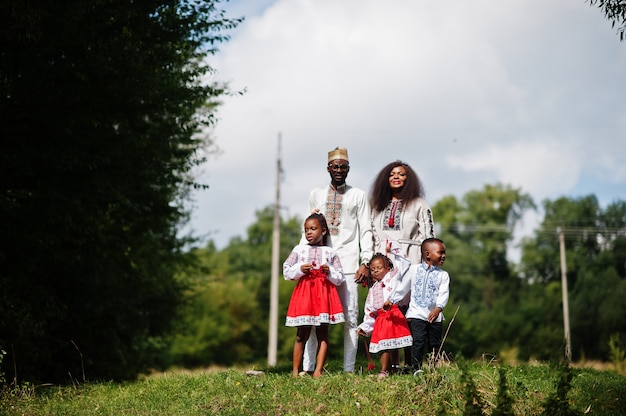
point(347, 213)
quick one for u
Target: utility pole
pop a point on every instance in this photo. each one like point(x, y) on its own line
point(568, 342)
point(273, 324)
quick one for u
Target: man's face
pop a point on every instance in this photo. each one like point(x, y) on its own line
point(338, 170)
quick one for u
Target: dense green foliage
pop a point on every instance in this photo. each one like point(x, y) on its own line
point(102, 110)
point(595, 251)
point(227, 317)
point(477, 231)
point(532, 390)
point(515, 311)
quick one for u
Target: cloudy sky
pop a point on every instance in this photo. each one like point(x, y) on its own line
point(529, 93)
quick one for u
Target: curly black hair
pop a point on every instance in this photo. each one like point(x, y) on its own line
point(369, 280)
point(380, 193)
point(385, 259)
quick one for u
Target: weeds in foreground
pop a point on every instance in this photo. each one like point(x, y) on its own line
point(2, 377)
point(494, 389)
point(617, 354)
point(504, 400)
point(473, 401)
point(557, 403)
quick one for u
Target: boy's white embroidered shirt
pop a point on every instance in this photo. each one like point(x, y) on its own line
point(429, 287)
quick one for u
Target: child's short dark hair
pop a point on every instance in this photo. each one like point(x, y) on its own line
point(322, 220)
point(427, 242)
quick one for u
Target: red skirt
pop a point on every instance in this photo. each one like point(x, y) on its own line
point(391, 331)
point(314, 301)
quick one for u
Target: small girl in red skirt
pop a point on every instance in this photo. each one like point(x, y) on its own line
point(315, 301)
point(389, 330)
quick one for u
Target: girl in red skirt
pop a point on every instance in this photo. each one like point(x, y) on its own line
point(315, 301)
point(388, 329)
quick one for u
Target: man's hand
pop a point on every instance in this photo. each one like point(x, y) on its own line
point(387, 305)
point(361, 274)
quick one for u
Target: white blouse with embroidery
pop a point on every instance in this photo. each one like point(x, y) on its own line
point(319, 255)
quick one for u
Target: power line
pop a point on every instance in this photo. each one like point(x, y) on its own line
point(569, 230)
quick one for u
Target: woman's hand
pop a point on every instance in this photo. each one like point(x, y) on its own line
point(388, 245)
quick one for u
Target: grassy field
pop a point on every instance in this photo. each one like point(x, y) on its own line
point(444, 391)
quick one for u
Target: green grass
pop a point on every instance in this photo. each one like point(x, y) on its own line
point(232, 392)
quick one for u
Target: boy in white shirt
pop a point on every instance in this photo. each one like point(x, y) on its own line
point(429, 286)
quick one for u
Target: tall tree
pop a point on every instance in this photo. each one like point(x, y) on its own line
point(480, 226)
point(477, 231)
point(102, 106)
point(595, 242)
point(228, 311)
point(577, 219)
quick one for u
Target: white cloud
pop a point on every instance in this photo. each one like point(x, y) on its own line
point(523, 92)
point(546, 167)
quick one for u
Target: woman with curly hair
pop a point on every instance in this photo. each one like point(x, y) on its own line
point(400, 215)
point(399, 211)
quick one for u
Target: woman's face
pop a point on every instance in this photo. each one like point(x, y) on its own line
point(397, 177)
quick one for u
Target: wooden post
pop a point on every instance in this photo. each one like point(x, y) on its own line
point(273, 323)
point(568, 344)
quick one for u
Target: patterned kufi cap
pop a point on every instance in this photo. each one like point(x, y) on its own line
point(338, 153)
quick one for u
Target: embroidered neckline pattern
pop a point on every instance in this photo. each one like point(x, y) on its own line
point(333, 209)
point(392, 217)
point(314, 256)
